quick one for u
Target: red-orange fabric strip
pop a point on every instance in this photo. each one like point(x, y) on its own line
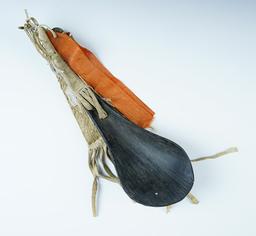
point(85, 64)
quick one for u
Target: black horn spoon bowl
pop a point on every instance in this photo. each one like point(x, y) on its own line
point(153, 170)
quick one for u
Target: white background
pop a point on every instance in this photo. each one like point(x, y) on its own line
point(193, 62)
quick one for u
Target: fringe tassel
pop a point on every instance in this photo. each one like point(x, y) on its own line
point(192, 198)
point(219, 154)
point(94, 196)
point(168, 208)
point(99, 168)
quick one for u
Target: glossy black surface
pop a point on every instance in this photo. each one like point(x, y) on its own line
point(153, 170)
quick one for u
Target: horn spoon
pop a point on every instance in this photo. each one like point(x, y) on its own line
point(153, 170)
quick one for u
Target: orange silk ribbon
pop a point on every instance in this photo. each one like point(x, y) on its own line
point(85, 64)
